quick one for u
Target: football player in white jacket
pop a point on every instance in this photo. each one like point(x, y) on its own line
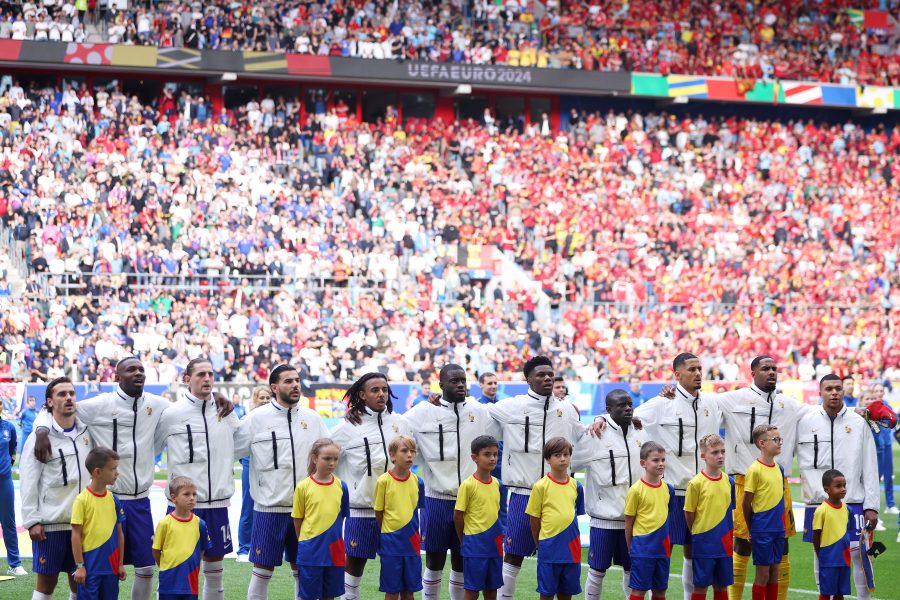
point(278, 438)
point(834, 436)
point(363, 437)
point(612, 464)
point(49, 490)
point(444, 433)
point(201, 446)
point(678, 425)
point(527, 422)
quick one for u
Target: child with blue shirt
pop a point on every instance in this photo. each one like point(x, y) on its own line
point(98, 541)
point(553, 508)
point(647, 508)
point(321, 502)
point(763, 506)
point(399, 495)
point(831, 538)
point(179, 544)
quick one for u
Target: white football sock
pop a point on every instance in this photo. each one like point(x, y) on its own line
point(213, 575)
point(626, 583)
point(351, 586)
point(593, 587)
point(72, 595)
point(687, 578)
point(143, 583)
point(259, 584)
point(457, 591)
point(510, 572)
point(36, 595)
point(431, 584)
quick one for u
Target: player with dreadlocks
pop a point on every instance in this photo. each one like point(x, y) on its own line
point(364, 436)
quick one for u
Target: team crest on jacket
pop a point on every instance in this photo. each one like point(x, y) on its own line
point(471, 418)
point(86, 440)
point(395, 428)
point(303, 424)
point(848, 429)
point(149, 410)
point(353, 543)
point(706, 412)
point(559, 412)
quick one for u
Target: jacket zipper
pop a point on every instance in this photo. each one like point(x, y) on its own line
point(293, 457)
point(696, 443)
point(134, 446)
point(368, 456)
point(115, 444)
point(832, 443)
point(458, 449)
point(628, 453)
point(190, 440)
point(209, 489)
point(752, 422)
point(65, 470)
point(544, 431)
point(77, 463)
point(384, 447)
point(612, 466)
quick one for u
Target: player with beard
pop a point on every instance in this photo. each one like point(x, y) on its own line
point(363, 437)
point(278, 438)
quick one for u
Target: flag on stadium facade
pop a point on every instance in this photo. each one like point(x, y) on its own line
point(792, 92)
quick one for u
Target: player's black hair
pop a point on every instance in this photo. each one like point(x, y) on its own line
point(755, 362)
point(482, 442)
point(354, 401)
point(681, 359)
point(447, 368)
point(275, 374)
point(189, 369)
point(484, 376)
point(844, 378)
point(559, 378)
point(535, 362)
point(829, 476)
point(830, 377)
point(615, 395)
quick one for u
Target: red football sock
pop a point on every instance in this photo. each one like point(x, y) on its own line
point(636, 596)
point(759, 592)
point(838, 597)
point(698, 596)
point(720, 594)
point(772, 591)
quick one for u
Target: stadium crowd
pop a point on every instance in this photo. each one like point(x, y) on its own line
point(334, 243)
point(781, 39)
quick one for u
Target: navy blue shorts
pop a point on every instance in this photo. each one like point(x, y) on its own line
point(607, 547)
point(438, 530)
point(400, 574)
point(178, 597)
point(482, 573)
point(518, 528)
point(53, 555)
point(321, 582)
point(649, 574)
point(138, 530)
point(218, 527)
point(834, 581)
point(713, 571)
point(273, 539)
point(768, 548)
point(558, 578)
point(679, 532)
point(99, 587)
point(855, 524)
point(361, 537)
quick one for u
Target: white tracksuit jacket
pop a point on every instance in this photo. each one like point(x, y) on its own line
point(364, 455)
point(678, 425)
point(444, 436)
point(844, 443)
point(278, 441)
point(49, 490)
point(200, 446)
point(611, 463)
point(128, 426)
point(744, 409)
point(527, 421)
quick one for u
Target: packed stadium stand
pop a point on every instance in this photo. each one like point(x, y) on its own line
point(851, 42)
point(275, 230)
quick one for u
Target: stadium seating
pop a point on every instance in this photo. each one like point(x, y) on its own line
point(259, 236)
point(841, 41)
